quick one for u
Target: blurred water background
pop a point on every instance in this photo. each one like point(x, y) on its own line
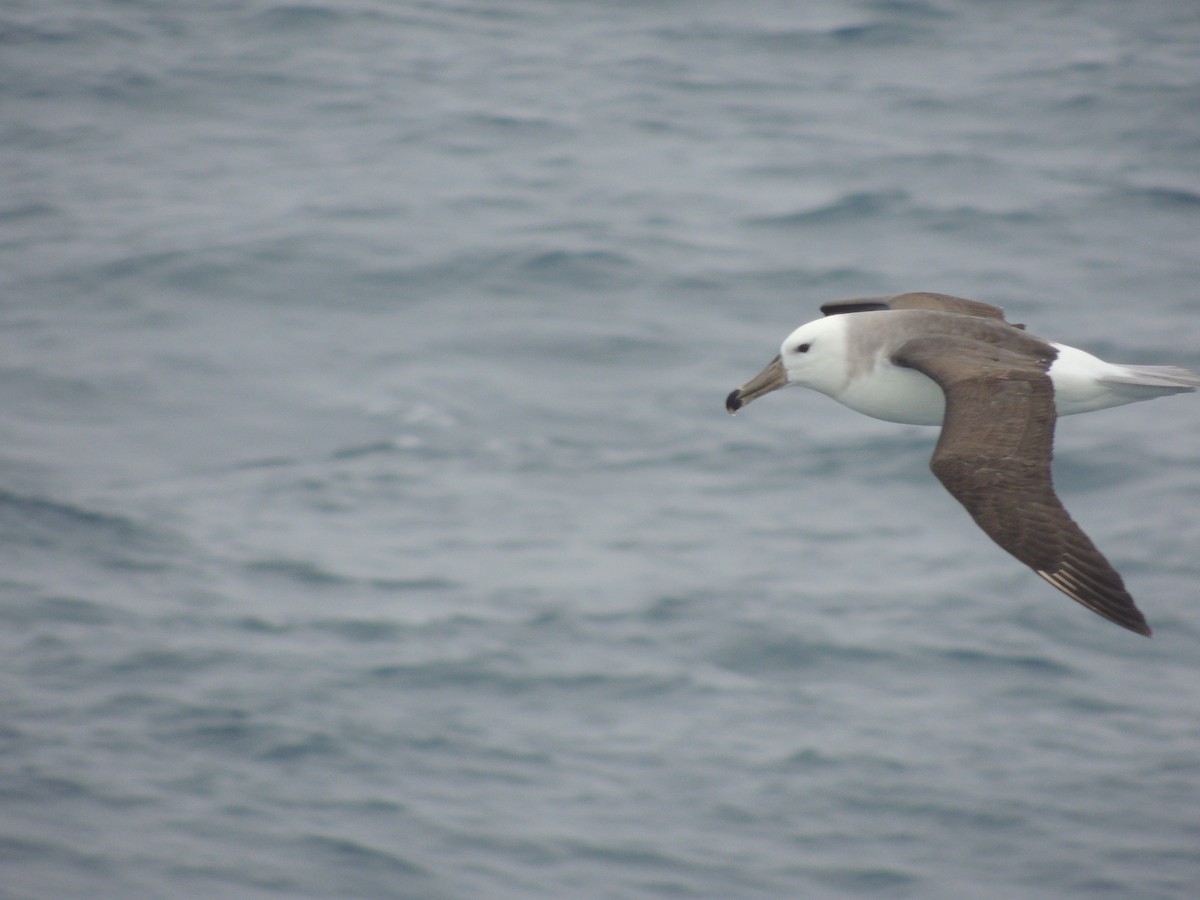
point(372, 526)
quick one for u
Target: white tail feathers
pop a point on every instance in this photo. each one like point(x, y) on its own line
point(1165, 379)
point(1084, 383)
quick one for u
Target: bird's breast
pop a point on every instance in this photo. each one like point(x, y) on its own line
point(894, 394)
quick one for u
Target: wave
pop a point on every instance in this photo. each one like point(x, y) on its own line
point(847, 208)
point(47, 523)
point(498, 673)
point(867, 206)
point(309, 574)
point(364, 860)
point(1175, 199)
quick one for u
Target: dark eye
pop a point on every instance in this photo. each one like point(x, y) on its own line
point(803, 348)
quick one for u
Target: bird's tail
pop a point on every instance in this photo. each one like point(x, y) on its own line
point(1155, 379)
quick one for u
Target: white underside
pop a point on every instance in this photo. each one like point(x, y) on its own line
point(1082, 383)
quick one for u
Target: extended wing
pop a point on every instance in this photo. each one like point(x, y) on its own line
point(994, 456)
point(916, 300)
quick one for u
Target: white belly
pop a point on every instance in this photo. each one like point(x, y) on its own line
point(1082, 383)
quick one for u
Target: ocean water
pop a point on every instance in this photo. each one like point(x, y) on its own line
point(371, 522)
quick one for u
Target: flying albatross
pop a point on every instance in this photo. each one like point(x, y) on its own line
point(996, 390)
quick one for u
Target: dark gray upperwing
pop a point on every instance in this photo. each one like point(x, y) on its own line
point(916, 300)
point(994, 456)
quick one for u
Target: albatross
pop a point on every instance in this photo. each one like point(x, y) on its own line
point(997, 391)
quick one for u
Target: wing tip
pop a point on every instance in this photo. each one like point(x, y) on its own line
point(1123, 612)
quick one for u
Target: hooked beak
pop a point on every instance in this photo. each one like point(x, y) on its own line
point(773, 377)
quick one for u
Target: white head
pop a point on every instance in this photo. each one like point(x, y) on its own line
point(814, 356)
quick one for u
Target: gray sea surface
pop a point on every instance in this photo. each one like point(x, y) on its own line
point(371, 522)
